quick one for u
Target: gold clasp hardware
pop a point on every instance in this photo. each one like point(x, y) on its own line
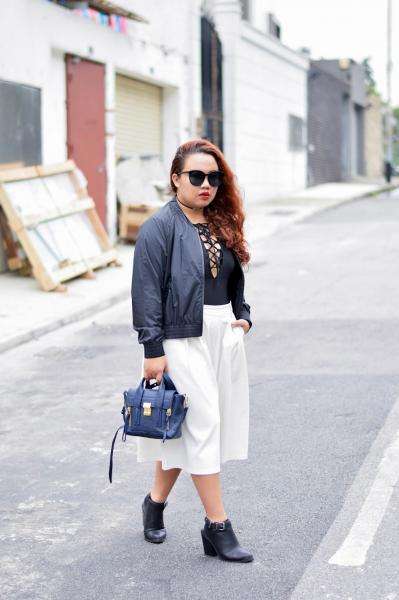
point(168, 411)
point(147, 409)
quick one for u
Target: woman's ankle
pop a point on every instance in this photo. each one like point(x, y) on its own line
point(216, 518)
point(156, 498)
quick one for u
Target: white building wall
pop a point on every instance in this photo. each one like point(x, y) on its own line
point(272, 83)
point(264, 82)
point(35, 35)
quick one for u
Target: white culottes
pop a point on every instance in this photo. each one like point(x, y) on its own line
point(212, 370)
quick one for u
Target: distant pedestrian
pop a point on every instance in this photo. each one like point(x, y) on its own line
point(388, 171)
point(191, 316)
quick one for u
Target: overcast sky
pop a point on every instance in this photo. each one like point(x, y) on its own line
point(342, 28)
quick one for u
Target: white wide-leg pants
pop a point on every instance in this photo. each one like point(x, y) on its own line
point(212, 370)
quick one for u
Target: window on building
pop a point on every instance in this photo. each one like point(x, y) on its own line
point(246, 10)
point(273, 26)
point(297, 139)
point(212, 86)
point(20, 123)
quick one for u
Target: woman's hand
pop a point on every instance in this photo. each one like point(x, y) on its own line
point(154, 368)
point(241, 323)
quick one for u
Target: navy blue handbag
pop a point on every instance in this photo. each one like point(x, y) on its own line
point(157, 411)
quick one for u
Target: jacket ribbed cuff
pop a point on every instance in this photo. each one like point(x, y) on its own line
point(245, 316)
point(249, 321)
point(153, 349)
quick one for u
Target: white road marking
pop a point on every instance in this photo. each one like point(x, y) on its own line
point(353, 551)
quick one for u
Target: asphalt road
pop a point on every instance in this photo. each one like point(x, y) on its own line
point(320, 483)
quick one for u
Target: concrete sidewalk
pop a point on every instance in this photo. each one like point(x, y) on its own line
point(266, 218)
point(26, 312)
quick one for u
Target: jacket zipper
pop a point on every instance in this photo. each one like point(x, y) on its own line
point(202, 267)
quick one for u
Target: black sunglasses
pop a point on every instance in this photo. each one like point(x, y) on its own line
point(196, 178)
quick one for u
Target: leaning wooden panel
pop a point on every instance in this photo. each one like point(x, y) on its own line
point(66, 167)
point(18, 174)
point(15, 256)
point(14, 221)
point(55, 221)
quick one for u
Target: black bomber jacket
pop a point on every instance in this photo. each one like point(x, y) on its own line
point(168, 280)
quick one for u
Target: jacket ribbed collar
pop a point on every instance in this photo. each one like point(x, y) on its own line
point(176, 208)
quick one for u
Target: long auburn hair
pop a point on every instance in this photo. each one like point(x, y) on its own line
point(225, 213)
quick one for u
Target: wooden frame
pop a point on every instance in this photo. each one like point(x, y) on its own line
point(56, 222)
point(131, 217)
point(11, 247)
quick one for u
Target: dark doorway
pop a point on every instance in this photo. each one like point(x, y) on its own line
point(86, 125)
point(345, 138)
point(211, 72)
point(359, 118)
point(20, 124)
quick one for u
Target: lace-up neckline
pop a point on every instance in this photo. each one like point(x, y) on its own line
point(212, 246)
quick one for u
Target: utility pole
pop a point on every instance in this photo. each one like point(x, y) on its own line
point(389, 117)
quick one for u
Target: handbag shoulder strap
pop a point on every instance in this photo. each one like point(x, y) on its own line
point(111, 456)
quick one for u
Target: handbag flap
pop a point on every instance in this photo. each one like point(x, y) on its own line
point(155, 396)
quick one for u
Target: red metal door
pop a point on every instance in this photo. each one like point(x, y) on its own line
point(86, 125)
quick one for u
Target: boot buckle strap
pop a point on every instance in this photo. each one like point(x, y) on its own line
point(219, 526)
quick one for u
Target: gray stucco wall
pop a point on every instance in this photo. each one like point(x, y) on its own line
point(336, 101)
point(325, 92)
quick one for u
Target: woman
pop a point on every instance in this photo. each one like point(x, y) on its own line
point(191, 316)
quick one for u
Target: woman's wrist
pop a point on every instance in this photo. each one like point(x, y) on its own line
point(153, 349)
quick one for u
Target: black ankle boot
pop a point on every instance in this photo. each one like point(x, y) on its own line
point(154, 528)
point(220, 540)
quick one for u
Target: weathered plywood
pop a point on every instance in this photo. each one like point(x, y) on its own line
point(56, 222)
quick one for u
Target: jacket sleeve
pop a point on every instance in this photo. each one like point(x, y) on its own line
point(246, 312)
point(149, 265)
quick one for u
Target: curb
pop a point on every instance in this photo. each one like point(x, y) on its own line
point(78, 315)
point(320, 209)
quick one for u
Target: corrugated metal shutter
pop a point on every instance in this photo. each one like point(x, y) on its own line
point(138, 117)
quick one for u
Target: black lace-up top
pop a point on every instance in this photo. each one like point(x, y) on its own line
point(219, 267)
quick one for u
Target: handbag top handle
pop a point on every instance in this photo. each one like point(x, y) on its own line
point(166, 382)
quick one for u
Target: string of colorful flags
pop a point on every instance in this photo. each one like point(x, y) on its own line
point(115, 22)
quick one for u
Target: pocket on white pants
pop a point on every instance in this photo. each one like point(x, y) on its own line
point(240, 330)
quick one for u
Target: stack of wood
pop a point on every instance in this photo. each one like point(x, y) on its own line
point(141, 189)
point(50, 226)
